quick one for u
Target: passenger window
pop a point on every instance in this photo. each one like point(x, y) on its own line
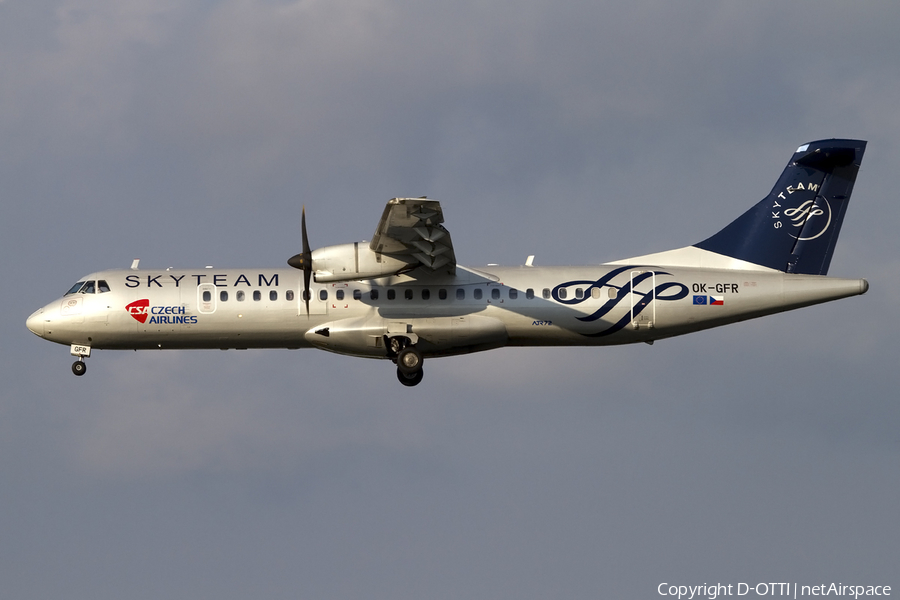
point(529, 294)
point(513, 293)
point(373, 295)
point(257, 296)
point(392, 293)
point(239, 295)
point(207, 296)
point(563, 293)
point(442, 294)
point(426, 294)
point(612, 292)
point(357, 295)
point(289, 295)
point(102, 286)
point(408, 294)
point(323, 295)
point(339, 294)
point(477, 294)
point(495, 293)
point(595, 292)
point(88, 288)
point(460, 293)
point(546, 293)
point(273, 295)
point(579, 293)
point(223, 296)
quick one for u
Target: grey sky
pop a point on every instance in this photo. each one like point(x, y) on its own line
point(190, 133)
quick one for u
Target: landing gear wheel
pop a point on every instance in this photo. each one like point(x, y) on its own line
point(79, 368)
point(410, 380)
point(409, 360)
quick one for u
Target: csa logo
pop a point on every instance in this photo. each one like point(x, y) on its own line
point(169, 315)
point(139, 309)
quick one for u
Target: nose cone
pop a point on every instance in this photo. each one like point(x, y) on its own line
point(35, 323)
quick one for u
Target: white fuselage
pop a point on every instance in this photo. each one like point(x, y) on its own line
point(442, 314)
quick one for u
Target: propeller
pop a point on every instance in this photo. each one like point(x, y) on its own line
point(303, 261)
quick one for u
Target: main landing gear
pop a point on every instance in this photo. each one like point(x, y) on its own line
point(408, 359)
point(79, 367)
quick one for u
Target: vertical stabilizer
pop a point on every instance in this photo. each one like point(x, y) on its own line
point(795, 228)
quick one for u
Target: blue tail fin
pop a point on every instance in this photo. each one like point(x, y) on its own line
point(795, 228)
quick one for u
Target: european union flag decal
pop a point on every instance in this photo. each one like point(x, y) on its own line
point(700, 300)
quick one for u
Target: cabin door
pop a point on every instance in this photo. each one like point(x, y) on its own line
point(643, 295)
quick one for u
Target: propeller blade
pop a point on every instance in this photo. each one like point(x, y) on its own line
point(307, 259)
point(306, 249)
point(303, 261)
point(306, 275)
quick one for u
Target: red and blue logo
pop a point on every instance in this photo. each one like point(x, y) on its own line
point(171, 315)
point(139, 309)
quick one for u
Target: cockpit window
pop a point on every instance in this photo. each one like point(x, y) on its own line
point(86, 287)
point(74, 289)
point(102, 286)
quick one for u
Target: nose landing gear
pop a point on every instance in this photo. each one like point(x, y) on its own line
point(408, 359)
point(81, 351)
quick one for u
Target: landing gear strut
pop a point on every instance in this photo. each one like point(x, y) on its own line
point(408, 359)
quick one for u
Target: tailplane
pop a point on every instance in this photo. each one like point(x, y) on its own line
point(795, 228)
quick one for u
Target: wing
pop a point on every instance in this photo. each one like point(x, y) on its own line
point(410, 229)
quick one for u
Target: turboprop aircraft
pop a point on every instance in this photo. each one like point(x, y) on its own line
point(402, 296)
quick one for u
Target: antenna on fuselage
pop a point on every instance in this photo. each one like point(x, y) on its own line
point(135, 263)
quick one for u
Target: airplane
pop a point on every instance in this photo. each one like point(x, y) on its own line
point(402, 296)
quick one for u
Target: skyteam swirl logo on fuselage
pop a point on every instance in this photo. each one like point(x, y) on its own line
point(667, 291)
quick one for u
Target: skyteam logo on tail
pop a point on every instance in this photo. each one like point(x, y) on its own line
point(808, 216)
point(809, 212)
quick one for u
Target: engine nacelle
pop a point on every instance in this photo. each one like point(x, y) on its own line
point(347, 262)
